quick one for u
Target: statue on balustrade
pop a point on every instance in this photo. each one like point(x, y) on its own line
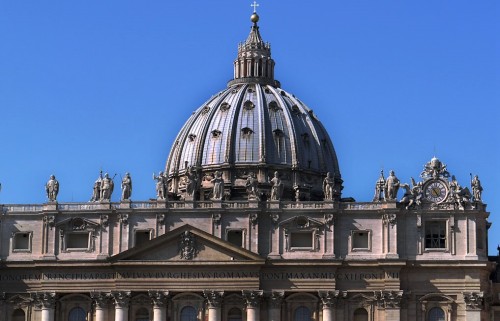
point(161, 186)
point(126, 187)
point(218, 182)
point(52, 188)
point(107, 186)
point(391, 187)
point(277, 187)
point(252, 187)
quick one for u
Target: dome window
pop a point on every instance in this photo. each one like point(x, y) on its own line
point(267, 91)
point(273, 105)
point(283, 93)
point(216, 133)
point(191, 137)
point(295, 110)
point(246, 132)
point(225, 106)
point(205, 110)
point(250, 89)
point(248, 105)
point(278, 132)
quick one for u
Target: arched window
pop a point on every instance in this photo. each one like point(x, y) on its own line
point(302, 314)
point(234, 315)
point(188, 313)
point(18, 315)
point(77, 314)
point(360, 315)
point(436, 314)
point(142, 315)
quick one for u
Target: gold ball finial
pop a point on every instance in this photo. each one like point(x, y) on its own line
point(254, 17)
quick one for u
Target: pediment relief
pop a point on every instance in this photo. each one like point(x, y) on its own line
point(77, 224)
point(187, 244)
point(301, 222)
point(436, 297)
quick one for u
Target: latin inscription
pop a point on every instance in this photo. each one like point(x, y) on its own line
point(264, 276)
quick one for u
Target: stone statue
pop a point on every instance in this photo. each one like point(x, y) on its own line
point(187, 246)
point(252, 187)
point(96, 192)
point(277, 187)
point(413, 196)
point(218, 181)
point(52, 188)
point(328, 187)
point(161, 187)
point(379, 188)
point(126, 187)
point(461, 196)
point(391, 187)
point(191, 181)
point(477, 189)
point(107, 186)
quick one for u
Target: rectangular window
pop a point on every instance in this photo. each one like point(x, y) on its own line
point(142, 236)
point(21, 242)
point(301, 240)
point(435, 235)
point(77, 241)
point(235, 237)
point(360, 240)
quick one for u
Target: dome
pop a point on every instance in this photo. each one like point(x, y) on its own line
point(253, 127)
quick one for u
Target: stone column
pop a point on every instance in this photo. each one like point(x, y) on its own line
point(160, 301)
point(328, 302)
point(214, 301)
point(101, 300)
point(47, 302)
point(252, 299)
point(390, 301)
point(275, 302)
point(473, 305)
point(122, 300)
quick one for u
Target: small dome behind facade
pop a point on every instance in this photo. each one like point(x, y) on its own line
point(253, 126)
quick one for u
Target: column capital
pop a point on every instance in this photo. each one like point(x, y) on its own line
point(473, 300)
point(121, 298)
point(275, 299)
point(45, 300)
point(214, 298)
point(252, 297)
point(389, 299)
point(330, 298)
point(159, 297)
point(101, 299)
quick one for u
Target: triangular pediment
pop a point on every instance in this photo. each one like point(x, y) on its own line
point(187, 244)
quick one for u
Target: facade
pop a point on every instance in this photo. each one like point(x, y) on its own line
point(249, 224)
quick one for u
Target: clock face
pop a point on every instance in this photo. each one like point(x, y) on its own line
point(436, 191)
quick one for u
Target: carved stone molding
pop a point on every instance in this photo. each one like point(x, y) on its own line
point(121, 298)
point(388, 299)
point(474, 300)
point(44, 300)
point(254, 218)
point(159, 298)
point(276, 299)
point(214, 298)
point(123, 219)
point(187, 246)
point(49, 220)
point(216, 219)
point(389, 219)
point(161, 219)
point(330, 298)
point(100, 299)
point(275, 217)
point(252, 297)
point(329, 219)
point(104, 221)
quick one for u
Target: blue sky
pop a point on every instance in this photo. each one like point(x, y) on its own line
point(86, 85)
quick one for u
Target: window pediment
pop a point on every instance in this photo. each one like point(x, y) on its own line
point(301, 222)
point(78, 224)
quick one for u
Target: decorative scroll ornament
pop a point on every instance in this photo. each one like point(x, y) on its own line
point(101, 299)
point(44, 299)
point(388, 299)
point(474, 300)
point(214, 298)
point(122, 298)
point(187, 248)
point(331, 298)
point(276, 299)
point(159, 298)
point(389, 219)
point(434, 169)
point(252, 297)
